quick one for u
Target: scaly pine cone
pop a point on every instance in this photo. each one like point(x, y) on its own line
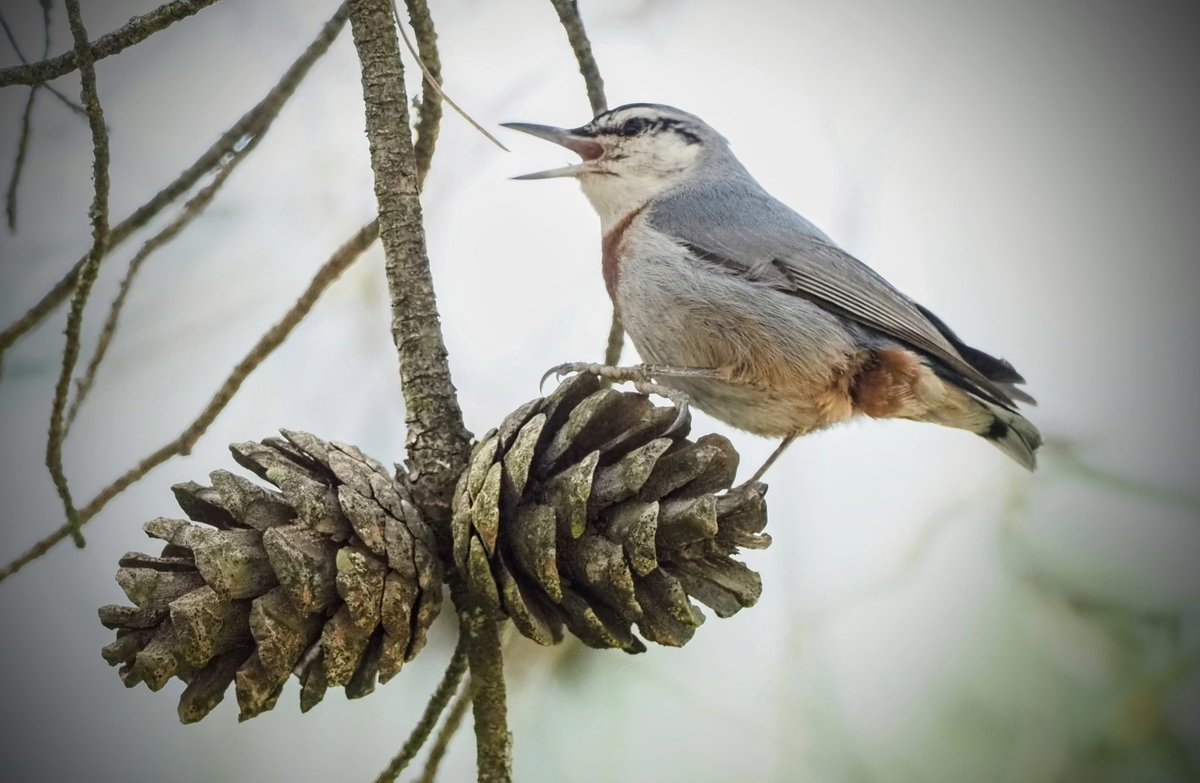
point(582, 511)
point(333, 577)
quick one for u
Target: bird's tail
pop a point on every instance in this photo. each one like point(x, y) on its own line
point(1008, 430)
point(1013, 434)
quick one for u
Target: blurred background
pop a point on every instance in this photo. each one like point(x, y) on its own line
point(930, 612)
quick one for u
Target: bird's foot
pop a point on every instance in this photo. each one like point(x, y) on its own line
point(644, 373)
point(642, 376)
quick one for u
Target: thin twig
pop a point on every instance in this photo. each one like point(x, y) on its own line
point(254, 122)
point(135, 31)
point(190, 211)
point(91, 267)
point(433, 712)
point(10, 198)
point(12, 39)
point(454, 719)
point(10, 195)
point(568, 14)
point(572, 22)
point(429, 114)
point(433, 80)
point(345, 255)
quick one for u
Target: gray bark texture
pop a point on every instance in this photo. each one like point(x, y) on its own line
point(438, 442)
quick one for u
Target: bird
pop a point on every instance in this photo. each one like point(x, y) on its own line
point(742, 307)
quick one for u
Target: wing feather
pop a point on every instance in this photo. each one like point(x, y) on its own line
point(746, 232)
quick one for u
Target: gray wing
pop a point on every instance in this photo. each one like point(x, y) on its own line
point(738, 228)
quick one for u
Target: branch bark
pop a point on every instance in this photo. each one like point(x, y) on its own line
point(437, 442)
point(137, 30)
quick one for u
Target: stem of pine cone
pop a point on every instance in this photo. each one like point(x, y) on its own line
point(437, 442)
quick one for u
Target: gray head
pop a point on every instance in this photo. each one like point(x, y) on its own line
point(632, 154)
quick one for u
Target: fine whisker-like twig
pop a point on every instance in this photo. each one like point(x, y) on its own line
point(432, 81)
point(22, 149)
point(91, 266)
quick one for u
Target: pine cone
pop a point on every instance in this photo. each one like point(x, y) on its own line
point(581, 510)
point(332, 577)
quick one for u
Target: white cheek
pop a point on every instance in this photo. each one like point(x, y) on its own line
point(614, 197)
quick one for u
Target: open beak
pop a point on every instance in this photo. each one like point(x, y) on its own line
point(587, 148)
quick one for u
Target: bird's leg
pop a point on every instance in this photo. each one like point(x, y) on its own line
point(783, 444)
point(642, 377)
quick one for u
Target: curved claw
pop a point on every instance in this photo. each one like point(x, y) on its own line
point(552, 371)
point(567, 368)
point(683, 408)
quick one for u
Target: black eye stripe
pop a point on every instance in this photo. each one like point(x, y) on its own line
point(634, 125)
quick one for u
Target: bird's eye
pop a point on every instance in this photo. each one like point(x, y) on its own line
point(634, 126)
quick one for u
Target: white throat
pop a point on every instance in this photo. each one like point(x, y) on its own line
point(626, 180)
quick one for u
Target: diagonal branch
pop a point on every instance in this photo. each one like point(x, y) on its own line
point(91, 266)
point(433, 711)
point(341, 260)
point(441, 743)
point(135, 31)
point(255, 122)
point(568, 15)
point(191, 210)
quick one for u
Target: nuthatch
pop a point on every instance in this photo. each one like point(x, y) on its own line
point(751, 311)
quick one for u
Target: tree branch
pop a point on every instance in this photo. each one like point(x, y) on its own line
point(454, 718)
point(429, 113)
point(137, 30)
point(437, 441)
point(91, 266)
point(195, 205)
point(255, 122)
point(272, 339)
point(568, 15)
point(433, 711)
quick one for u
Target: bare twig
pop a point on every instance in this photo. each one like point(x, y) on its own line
point(12, 39)
point(433, 711)
point(429, 114)
point(434, 80)
point(10, 196)
point(253, 123)
point(91, 267)
point(454, 719)
point(135, 31)
point(568, 15)
point(345, 255)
